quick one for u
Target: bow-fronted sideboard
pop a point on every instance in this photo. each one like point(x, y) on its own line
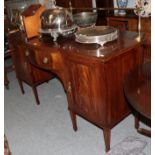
point(92, 75)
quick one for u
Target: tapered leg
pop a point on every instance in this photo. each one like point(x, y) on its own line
point(74, 122)
point(35, 94)
point(21, 85)
point(107, 136)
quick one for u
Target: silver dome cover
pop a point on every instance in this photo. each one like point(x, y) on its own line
point(57, 21)
point(57, 18)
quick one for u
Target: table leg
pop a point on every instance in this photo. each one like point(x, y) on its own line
point(74, 121)
point(136, 123)
point(107, 136)
point(141, 130)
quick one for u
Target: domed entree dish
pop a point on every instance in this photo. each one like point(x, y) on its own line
point(57, 21)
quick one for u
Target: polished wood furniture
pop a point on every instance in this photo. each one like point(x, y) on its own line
point(92, 76)
point(31, 17)
point(25, 72)
point(130, 23)
point(137, 89)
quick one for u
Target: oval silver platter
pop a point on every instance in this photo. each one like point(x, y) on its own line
point(96, 34)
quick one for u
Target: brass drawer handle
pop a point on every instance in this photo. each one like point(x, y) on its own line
point(27, 53)
point(45, 60)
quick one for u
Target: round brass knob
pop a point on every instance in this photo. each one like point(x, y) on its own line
point(45, 60)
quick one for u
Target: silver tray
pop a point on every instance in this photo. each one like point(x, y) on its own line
point(57, 32)
point(96, 34)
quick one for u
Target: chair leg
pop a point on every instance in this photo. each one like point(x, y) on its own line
point(36, 94)
point(73, 119)
point(107, 136)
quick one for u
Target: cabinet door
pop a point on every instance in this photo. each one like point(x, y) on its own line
point(88, 101)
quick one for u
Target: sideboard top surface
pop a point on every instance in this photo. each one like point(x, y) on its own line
point(125, 42)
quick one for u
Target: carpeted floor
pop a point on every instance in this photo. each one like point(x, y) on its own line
point(47, 130)
point(129, 146)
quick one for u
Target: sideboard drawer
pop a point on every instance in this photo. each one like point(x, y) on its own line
point(44, 58)
point(39, 58)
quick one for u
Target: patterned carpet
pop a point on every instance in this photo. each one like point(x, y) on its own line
point(129, 146)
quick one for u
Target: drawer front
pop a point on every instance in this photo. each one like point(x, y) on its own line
point(49, 59)
point(39, 58)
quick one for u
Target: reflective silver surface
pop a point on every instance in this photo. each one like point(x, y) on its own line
point(85, 19)
point(96, 34)
point(55, 33)
point(56, 18)
point(56, 21)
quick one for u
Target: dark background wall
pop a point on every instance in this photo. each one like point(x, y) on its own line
point(88, 4)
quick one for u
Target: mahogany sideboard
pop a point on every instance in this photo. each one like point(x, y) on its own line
point(92, 76)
